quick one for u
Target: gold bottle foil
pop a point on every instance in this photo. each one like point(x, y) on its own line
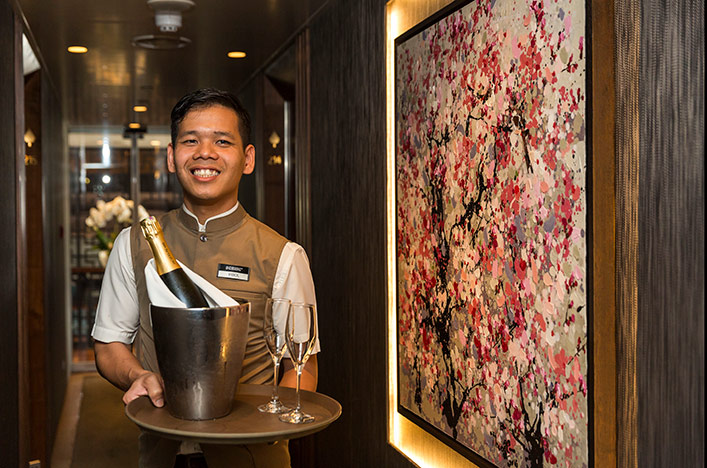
point(164, 260)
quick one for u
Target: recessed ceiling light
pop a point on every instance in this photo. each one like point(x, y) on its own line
point(77, 49)
point(155, 143)
point(140, 108)
point(236, 54)
point(134, 125)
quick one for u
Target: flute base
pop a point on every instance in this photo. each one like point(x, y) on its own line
point(274, 407)
point(296, 417)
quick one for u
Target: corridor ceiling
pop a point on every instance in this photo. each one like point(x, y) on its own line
point(100, 88)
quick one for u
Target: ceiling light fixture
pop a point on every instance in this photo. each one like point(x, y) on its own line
point(133, 125)
point(236, 54)
point(140, 108)
point(168, 13)
point(77, 49)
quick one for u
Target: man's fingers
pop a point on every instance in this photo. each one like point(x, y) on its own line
point(156, 395)
point(148, 384)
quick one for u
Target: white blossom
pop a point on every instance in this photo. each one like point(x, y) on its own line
point(142, 213)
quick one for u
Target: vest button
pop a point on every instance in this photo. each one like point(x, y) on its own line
point(203, 238)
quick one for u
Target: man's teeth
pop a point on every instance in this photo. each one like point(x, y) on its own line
point(205, 172)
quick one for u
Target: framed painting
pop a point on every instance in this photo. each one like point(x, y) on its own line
point(493, 231)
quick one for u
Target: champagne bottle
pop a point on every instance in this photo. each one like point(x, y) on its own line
point(169, 270)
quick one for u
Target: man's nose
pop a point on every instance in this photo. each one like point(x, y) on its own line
point(206, 150)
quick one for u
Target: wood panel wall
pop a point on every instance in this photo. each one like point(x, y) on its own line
point(9, 351)
point(36, 323)
point(55, 244)
point(671, 288)
point(348, 255)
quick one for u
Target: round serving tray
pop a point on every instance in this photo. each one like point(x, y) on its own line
point(245, 424)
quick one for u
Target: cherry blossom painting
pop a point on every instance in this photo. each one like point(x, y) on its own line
point(492, 240)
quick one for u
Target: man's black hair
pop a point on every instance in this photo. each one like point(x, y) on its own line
point(207, 97)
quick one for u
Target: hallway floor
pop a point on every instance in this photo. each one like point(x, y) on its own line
point(93, 429)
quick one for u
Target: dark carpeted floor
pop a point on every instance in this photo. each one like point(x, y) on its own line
point(105, 437)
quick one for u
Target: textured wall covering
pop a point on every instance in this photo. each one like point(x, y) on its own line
point(348, 257)
point(9, 392)
point(671, 291)
point(55, 197)
point(627, 32)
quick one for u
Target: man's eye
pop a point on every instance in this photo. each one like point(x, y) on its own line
point(223, 142)
point(189, 141)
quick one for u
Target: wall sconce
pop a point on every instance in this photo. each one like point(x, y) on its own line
point(30, 138)
point(274, 139)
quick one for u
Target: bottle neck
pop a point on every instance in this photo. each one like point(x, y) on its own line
point(164, 260)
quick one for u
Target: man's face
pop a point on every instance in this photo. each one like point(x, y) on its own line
point(209, 159)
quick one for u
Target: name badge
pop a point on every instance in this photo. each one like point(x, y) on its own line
point(233, 272)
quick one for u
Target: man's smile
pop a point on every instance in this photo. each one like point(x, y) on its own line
point(205, 173)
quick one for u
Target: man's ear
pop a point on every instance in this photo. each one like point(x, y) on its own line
point(170, 159)
point(249, 166)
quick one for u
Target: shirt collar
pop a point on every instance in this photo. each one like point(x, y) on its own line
point(202, 227)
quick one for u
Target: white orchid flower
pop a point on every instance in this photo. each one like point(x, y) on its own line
point(103, 257)
point(124, 216)
point(98, 217)
point(142, 213)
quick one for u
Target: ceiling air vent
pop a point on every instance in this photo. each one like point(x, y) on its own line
point(160, 42)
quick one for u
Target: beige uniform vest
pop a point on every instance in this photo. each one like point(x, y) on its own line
point(236, 240)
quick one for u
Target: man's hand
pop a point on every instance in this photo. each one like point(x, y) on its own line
point(147, 384)
point(118, 365)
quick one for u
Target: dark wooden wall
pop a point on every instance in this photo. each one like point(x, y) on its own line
point(55, 214)
point(671, 289)
point(348, 257)
point(34, 275)
point(9, 356)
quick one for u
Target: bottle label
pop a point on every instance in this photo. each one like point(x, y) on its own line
point(233, 272)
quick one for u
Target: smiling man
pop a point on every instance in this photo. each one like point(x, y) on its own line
point(210, 151)
point(209, 156)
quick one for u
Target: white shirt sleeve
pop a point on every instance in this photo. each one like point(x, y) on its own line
point(293, 280)
point(118, 312)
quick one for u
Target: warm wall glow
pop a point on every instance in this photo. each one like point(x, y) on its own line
point(76, 49)
point(416, 444)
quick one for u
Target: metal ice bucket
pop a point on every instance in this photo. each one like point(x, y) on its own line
point(200, 356)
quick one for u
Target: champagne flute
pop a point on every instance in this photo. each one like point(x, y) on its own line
point(300, 334)
point(274, 333)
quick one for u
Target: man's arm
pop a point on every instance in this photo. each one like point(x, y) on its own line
point(310, 374)
point(293, 281)
point(117, 364)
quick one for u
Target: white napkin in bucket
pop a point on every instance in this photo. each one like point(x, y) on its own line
point(160, 295)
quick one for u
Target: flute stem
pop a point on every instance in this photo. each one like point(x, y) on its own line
point(299, 375)
point(275, 395)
